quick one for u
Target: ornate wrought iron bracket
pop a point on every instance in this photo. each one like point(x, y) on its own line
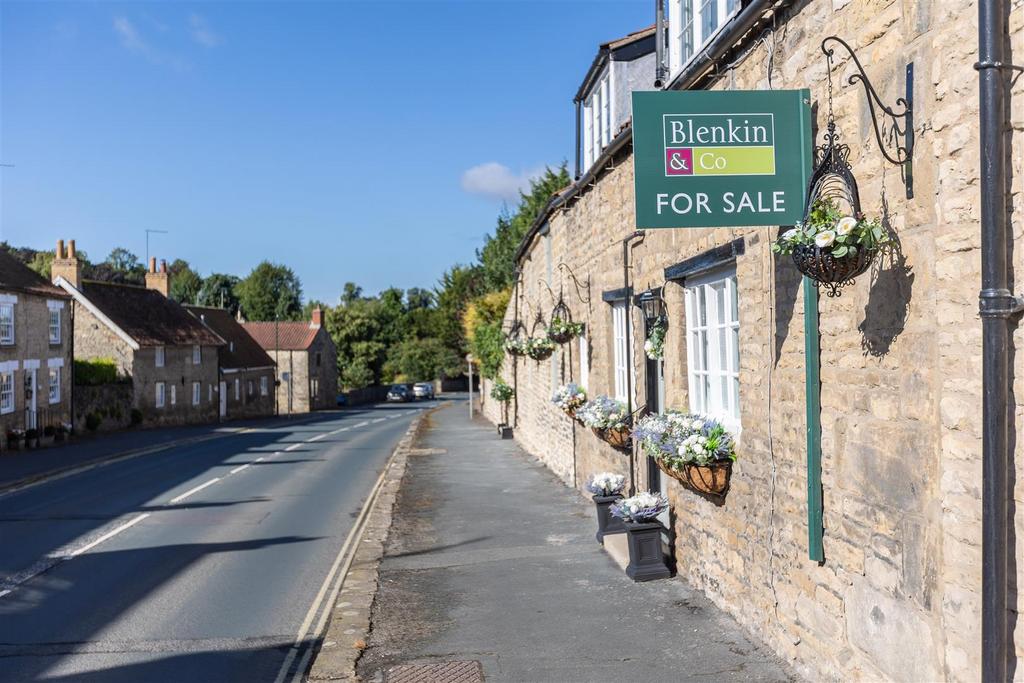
point(900, 134)
point(576, 283)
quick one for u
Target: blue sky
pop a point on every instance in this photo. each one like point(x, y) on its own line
point(370, 142)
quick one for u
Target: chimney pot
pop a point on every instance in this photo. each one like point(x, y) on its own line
point(318, 318)
point(60, 249)
point(71, 249)
point(152, 264)
point(163, 266)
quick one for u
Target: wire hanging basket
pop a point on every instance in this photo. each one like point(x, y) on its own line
point(516, 340)
point(539, 346)
point(562, 328)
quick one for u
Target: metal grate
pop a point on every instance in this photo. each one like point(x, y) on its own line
point(441, 672)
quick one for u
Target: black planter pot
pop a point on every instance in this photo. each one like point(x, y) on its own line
point(607, 523)
point(646, 561)
point(504, 431)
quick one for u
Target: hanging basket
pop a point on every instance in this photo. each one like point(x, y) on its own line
point(515, 339)
point(712, 479)
point(561, 312)
point(617, 438)
point(833, 272)
point(540, 354)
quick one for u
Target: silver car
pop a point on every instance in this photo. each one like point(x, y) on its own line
point(423, 390)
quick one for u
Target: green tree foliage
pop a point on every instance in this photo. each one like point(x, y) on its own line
point(422, 360)
point(219, 290)
point(185, 282)
point(42, 263)
point(270, 292)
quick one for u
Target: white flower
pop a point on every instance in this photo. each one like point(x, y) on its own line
point(790, 234)
point(825, 238)
point(846, 225)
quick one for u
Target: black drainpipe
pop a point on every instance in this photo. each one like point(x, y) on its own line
point(638, 234)
point(997, 305)
point(659, 43)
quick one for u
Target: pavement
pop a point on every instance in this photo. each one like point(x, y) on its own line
point(491, 562)
point(209, 560)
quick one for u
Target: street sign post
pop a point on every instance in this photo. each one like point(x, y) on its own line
point(705, 159)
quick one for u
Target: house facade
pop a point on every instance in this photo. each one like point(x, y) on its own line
point(169, 355)
point(35, 351)
point(306, 360)
point(246, 387)
point(898, 594)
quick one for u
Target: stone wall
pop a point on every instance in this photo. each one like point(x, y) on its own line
point(112, 403)
point(178, 375)
point(898, 596)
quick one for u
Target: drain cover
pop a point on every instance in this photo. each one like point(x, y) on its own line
point(440, 672)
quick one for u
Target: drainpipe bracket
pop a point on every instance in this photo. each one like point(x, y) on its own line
point(999, 303)
point(986, 64)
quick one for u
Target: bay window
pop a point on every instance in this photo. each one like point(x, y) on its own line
point(712, 345)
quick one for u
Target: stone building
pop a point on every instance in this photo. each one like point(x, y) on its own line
point(170, 356)
point(898, 595)
point(35, 351)
point(306, 359)
point(246, 386)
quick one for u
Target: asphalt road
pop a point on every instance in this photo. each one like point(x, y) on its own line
point(198, 563)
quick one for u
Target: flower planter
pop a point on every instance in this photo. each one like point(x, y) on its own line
point(712, 479)
point(607, 523)
point(504, 431)
point(646, 561)
point(562, 337)
point(618, 438)
point(540, 354)
point(821, 266)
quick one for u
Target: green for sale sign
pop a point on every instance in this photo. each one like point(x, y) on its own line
point(704, 159)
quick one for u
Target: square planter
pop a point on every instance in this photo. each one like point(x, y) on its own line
point(504, 431)
point(607, 523)
point(646, 561)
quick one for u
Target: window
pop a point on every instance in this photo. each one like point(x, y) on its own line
point(692, 23)
point(197, 354)
point(712, 346)
point(197, 392)
point(584, 362)
point(54, 325)
point(318, 359)
point(6, 323)
point(160, 394)
point(174, 394)
point(209, 393)
point(159, 356)
point(6, 392)
point(597, 118)
point(314, 387)
point(54, 385)
point(250, 387)
point(238, 391)
point(619, 312)
point(263, 386)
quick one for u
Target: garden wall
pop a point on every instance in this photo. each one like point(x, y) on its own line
point(111, 403)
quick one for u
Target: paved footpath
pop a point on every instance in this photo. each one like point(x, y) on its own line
point(492, 560)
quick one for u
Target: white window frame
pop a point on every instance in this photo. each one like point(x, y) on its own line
point(264, 385)
point(7, 323)
point(620, 310)
point(6, 392)
point(54, 384)
point(197, 393)
point(174, 394)
point(197, 354)
point(159, 356)
point(161, 394)
point(686, 20)
point(585, 362)
point(238, 389)
point(55, 315)
point(712, 345)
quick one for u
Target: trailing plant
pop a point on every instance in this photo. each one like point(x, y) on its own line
point(654, 346)
point(832, 232)
point(563, 329)
point(569, 397)
point(502, 392)
point(643, 507)
point(676, 439)
point(606, 484)
point(539, 348)
point(517, 346)
point(604, 412)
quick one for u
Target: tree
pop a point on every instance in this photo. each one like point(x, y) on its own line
point(351, 292)
point(42, 263)
point(185, 282)
point(218, 290)
point(270, 292)
point(458, 286)
point(422, 360)
point(312, 305)
point(483, 328)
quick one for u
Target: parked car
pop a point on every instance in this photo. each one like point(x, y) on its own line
point(342, 400)
point(399, 393)
point(424, 390)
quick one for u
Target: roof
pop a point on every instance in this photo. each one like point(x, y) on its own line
point(241, 351)
point(144, 315)
point(286, 336)
point(17, 277)
point(626, 48)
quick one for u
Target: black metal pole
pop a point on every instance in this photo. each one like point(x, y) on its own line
point(639, 234)
point(996, 305)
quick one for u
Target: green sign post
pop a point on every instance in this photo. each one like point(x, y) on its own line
point(704, 159)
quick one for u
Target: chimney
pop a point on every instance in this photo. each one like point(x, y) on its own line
point(158, 280)
point(318, 319)
point(66, 264)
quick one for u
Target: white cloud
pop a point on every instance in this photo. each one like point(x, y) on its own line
point(497, 181)
point(132, 40)
point(201, 32)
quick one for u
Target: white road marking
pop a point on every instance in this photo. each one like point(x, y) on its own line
point(5, 592)
point(260, 459)
point(194, 490)
point(316, 438)
point(109, 535)
point(240, 468)
point(361, 424)
point(379, 419)
point(294, 446)
point(339, 431)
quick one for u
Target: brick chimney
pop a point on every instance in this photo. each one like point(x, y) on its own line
point(66, 264)
point(160, 280)
point(318, 319)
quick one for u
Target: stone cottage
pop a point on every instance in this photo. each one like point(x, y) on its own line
point(898, 593)
point(169, 355)
point(306, 359)
point(246, 387)
point(35, 351)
